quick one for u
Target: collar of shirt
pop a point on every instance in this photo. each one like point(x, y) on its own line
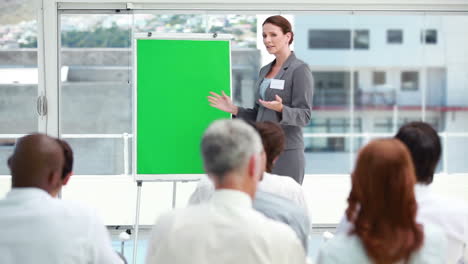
point(27, 194)
point(231, 198)
point(421, 190)
point(266, 177)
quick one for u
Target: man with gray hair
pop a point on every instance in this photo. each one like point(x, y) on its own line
point(226, 229)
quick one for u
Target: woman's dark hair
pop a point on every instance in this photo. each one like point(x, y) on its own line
point(381, 205)
point(281, 22)
point(425, 148)
point(273, 141)
point(68, 157)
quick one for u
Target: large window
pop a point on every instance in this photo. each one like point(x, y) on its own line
point(96, 58)
point(395, 36)
point(379, 90)
point(333, 88)
point(361, 82)
point(338, 39)
point(361, 39)
point(18, 77)
point(409, 81)
point(95, 110)
point(429, 36)
point(379, 78)
point(329, 39)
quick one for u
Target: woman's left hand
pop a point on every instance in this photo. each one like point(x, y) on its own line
point(276, 105)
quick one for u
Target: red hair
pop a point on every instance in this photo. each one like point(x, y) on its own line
point(381, 204)
point(273, 139)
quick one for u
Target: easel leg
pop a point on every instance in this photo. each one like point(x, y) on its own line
point(137, 221)
point(174, 194)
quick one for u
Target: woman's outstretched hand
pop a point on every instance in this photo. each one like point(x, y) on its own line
point(222, 102)
point(276, 105)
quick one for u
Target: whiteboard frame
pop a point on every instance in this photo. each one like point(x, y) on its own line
point(168, 36)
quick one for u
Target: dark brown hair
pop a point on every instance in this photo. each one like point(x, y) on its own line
point(424, 145)
point(381, 204)
point(273, 141)
point(68, 158)
point(281, 22)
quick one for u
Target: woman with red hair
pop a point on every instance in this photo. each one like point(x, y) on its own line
point(382, 210)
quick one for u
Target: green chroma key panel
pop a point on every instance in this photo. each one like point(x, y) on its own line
point(174, 78)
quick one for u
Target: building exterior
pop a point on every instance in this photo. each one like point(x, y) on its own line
point(383, 71)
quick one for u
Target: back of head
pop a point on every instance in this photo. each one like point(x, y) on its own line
point(425, 148)
point(381, 204)
point(36, 162)
point(273, 139)
point(227, 146)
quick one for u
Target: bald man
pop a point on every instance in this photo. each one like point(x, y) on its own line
point(37, 228)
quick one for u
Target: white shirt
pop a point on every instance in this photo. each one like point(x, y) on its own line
point(349, 249)
point(225, 230)
point(283, 186)
point(450, 215)
point(36, 228)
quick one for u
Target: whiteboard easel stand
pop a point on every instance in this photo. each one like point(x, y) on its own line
point(137, 221)
point(162, 178)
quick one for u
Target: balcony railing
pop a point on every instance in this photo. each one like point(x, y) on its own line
point(364, 135)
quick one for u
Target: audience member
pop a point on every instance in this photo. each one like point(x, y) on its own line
point(285, 211)
point(226, 229)
point(37, 228)
point(449, 214)
point(278, 197)
point(382, 211)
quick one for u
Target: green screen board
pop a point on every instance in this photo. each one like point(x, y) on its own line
point(174, 78)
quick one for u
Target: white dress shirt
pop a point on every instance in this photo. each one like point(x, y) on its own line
point(283, 186)
point(225, 230)
point(36, 228)
point(450, 215)
point(348, 249)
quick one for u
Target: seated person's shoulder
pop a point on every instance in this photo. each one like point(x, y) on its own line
point(341, 242)
point(203, 192)
point(434, 237)
point(443, 206)
point(178, 218)
point(67, 218)
point(456, 205)
point(433, 248)
point(76, 208)
point(343, 248)
point(277, 204)
point(284, 181)
point(205, 180)
point(291, 183)
point(274, 229)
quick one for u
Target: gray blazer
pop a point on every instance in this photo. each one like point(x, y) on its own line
point(297, 100)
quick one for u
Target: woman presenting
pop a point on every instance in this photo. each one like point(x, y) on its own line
point(285, 89)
